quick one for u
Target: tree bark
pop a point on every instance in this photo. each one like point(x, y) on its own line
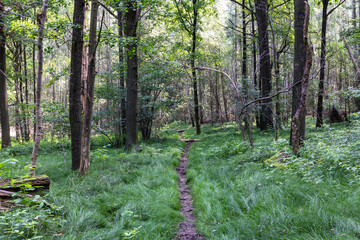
point(41, 18)
point(4, 114)
point(296, 121)
point(299, 64)
point(357, 72)
point(224, 99)
point(266, 118)
point(75, 83)
point(193, 70)
point(320, 107)
point(132, 18)
point(26, 109)
point(121, 123)
point(89, 96)
point(34, 85)
point(84, 67)
point(254, 55)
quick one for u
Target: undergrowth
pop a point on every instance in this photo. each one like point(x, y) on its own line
point(125, 196)
point(239, 192)
point(239, 195)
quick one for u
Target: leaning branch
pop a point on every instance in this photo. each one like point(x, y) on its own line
point(331, 11)
point(238, 94)
point(356, 68)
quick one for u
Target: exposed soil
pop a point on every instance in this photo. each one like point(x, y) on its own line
point(187, 228)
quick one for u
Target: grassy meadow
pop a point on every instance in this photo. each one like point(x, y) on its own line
point(239, 192)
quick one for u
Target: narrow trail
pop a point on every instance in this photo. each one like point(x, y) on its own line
point(187, 228)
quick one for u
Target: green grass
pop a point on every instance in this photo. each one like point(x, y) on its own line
point(236, 193)
point(238, 196)
point(126, 195)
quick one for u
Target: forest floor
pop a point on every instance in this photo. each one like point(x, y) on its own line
point(238, 192)
point(187, 229)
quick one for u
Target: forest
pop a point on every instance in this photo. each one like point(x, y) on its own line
point(180, 119)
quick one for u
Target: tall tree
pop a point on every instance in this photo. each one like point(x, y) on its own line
point(89, 96)
point(41, 18)
point(188, 14)
point(325, 14)
point(132, 17)
point(295, 123)
point(266, 118)
point(4, 115)
point(121, 126)
point(194, 28)
point(299, 64)
point(75, 83)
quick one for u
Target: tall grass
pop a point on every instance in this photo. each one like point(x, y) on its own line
point(125, 196)
point(238, 196)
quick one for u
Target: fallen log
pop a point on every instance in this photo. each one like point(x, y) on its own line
point(8, 194)
point(29, 184)
point(16, 184)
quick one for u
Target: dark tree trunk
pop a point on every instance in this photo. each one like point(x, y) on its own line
point(17, 74)
point(211, 102)
point(4, 115)
point(320, 106)
point(84, 68)
point(34, 85)
point(41, 18)
point(89, 96)
point(193, 71)
point(201, 99)
point(132, 17)
point(26, 110)
point(218, 117)
point(75, 83)
point(257, 117)
point(244, 45)
point(121, 126)
point(296, 121)
point(224, 99)
point(299, 64)
point(266, 118)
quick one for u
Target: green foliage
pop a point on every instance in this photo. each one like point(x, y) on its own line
point(264, 193)
point(37, 219)
point(126, 195)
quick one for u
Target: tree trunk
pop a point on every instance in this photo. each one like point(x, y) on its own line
point(266, 118)
point(296, 121)
point(201, 99)
point(34, 86)
point(320, 107)
point(218, 117)
point(26, 110)
point(132, 17)
point(257, 117)
point(84, 68)
point(41, 18)
point(89, 97)
point(224, 99)
point(4, 115)
point(244, 45)
point(299, 64)
point(17, 74)
point(75, 83)
point(193, 71)
point(357, 72)
point(121, 125)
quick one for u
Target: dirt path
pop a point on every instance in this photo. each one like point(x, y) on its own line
point(187, 228)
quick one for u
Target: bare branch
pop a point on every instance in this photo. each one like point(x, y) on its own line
point(243, 5)
point(107, 9)
point(331, 11)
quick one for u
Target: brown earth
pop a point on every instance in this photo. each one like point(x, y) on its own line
point(187, 229)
